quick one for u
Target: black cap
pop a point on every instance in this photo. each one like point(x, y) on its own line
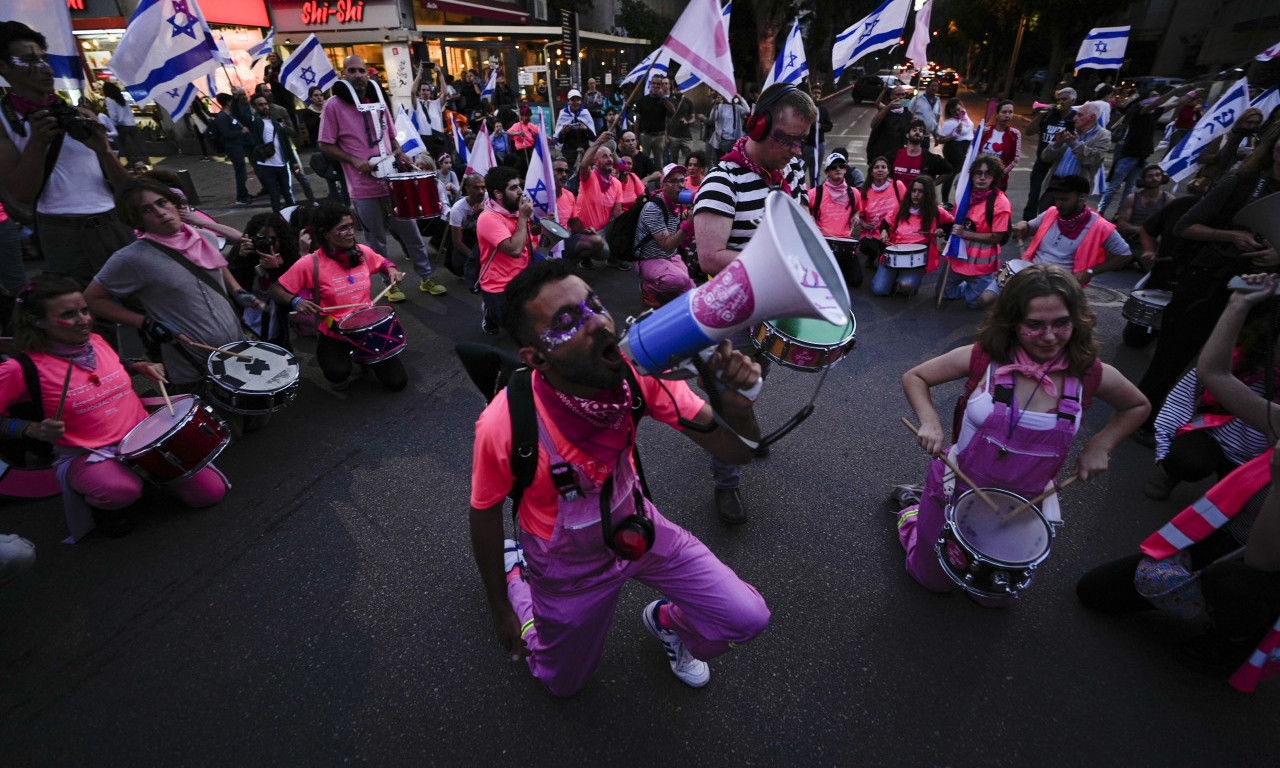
point(1073, 183)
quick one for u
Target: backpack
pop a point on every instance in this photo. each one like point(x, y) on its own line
point(978, 362)
point(621, 236)
point(817, 205)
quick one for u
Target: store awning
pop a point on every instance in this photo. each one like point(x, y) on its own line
point(498, 11)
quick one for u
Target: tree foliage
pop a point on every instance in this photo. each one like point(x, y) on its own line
point(640, 20)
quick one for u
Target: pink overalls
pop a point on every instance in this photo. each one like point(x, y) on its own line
point(999, 456)
point(573, 583)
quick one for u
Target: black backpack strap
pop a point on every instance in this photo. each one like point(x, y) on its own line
point(638, 410)
point(32, 379)
point(524, 435)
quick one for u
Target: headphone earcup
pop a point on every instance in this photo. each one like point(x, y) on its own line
point(759, 125)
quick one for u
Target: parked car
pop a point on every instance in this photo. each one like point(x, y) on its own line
point(868, 88)
point(948, 83)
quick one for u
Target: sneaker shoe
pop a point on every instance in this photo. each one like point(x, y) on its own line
point(1159, 486)
point(432, 287)
point(512, 555)
point(395, 294)
point(907, 494)
point(729, 506)
point(16, 555)
point(486, 326)
point(692, 672)
point(243, 202)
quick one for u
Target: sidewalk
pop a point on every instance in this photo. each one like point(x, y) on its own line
point(215, 181)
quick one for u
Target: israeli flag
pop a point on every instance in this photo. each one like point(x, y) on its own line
point(461, 143)
point(1266, 102)
point(540, 182)
point(790, 66)
point(956, 245)
point(53, 20)
point(490, 87)
point(260, 51)
point(307, 66)
point(1180, 163)
point(653, 64)
point(1103, 48)
point(223, 53)
point(407, 135)
point(882, 29)
point(165, 48)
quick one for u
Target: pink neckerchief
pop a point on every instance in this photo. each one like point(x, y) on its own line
point(22, 106)
point(979, 196)
point(1037, 372)
point(81, 356)
point(603, 180)
point(493, 206)
point(739, 155)
point(837, 194)
point(1071, 228)
point(600, 426)
point(188, 242)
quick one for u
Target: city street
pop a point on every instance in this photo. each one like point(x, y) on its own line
point(328, 611)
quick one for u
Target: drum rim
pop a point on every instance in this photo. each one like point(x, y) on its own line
point(291, 360)
point(280, 399)
point(190, 414)
point(907, 248)
point(949, 517)
point(391, 313)
point(771, 329)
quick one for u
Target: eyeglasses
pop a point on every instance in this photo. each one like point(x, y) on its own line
point(566, 323)
point(153, 208)
point(678, 181)
point(1037, 327)
point(788, 140)
point(31, 62)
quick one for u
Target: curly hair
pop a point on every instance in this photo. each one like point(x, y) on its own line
point(992, 164)
point(998, 334)
point(32, 306)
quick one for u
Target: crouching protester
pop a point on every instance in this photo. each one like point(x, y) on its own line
point(663, 228)
point(584, 518)
point(1218, 560)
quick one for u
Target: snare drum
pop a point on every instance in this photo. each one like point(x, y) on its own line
point(1145, 307)
point(840, 245)
point(264, 384)
point(415, 195)
point(166, 449)
point(1009, 269)
point(375, 332)
point(803, 343)
point(986, 557)
point(906, 256)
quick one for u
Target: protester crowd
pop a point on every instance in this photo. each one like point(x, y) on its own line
point(674, 195)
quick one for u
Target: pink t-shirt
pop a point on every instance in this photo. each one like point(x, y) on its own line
point(347, 127)
point(833, 219)
point(101, 406)
point(492, 229)
point(491, 458)
point(565, 203)
point(632, 188)
point(337, 285)
point(595, 205)
point(878, 206)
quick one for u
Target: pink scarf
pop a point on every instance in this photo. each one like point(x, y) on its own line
point(493, 206)
point(603, 180)
point(1073, 226)
point(1023, 364)
point(190, 244)
point(739, 155)
point(599, 426)
point(837, 194)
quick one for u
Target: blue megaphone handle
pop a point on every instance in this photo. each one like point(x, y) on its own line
point(667, 335)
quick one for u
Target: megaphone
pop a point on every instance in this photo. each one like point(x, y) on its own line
point(1262, 217)
point(552, 234)
point(786, 270)
point(1038, 105)
point(686, 196)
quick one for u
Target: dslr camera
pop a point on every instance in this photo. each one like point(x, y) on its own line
point(70, 120)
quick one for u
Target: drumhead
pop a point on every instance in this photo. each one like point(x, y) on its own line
point(1022, 540)
point(410, 175)
point(1153, 296)
point(816, 332)
point(903, 249)
point(843, 240)
point(365, 318)
point(271, 369)
point(158, 424)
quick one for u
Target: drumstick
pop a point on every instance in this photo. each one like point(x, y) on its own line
point(1028, 505)
point(165, 394)
point(385, 291)
point(955, 469)
point(344, 306)
point(66, 382)
point(222, 351)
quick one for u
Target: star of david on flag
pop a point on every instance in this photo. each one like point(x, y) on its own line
point(1180, 163)
point(1103, 48)
point(539, 181)
point(307, 66)
point(791, 65)
point(166, 47)
point(881, 29)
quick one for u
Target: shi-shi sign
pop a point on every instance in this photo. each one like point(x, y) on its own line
point(341, 12)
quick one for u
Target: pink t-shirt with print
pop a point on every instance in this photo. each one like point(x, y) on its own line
point(347, 127)
point(337, 285)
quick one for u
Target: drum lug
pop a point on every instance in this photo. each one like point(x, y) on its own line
point(1000, 580)
point(174, 460)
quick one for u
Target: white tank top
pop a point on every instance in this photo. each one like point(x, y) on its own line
point(76, 186)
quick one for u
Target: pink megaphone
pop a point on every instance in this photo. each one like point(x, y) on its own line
point(1038, 105)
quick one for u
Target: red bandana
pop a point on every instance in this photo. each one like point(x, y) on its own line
point(739, 155)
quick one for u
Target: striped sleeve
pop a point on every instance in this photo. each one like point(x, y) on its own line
point(1178, 409)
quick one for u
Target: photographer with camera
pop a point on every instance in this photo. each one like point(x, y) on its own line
point(58, 161)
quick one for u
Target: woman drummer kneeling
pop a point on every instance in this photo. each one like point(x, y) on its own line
point(1034, 370)
point(53, 328)
point(919, 221)
point(342, 270)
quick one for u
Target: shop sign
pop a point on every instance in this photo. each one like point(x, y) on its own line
point(317, 15)
point(535, 68)
point(341, 12)
point(526, 77)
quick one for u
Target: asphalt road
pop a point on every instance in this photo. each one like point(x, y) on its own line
point(329, 612)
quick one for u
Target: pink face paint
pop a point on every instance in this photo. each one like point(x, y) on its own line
point(64, 323)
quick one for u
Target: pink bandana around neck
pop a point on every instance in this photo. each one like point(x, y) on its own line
point(739, 155)
point(188, 242)
point(600, 426)
point(837, 194)
point(1038, 372)
point(493, 206)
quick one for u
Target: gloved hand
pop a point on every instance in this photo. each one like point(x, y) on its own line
point(157, 332)
point(244, 298)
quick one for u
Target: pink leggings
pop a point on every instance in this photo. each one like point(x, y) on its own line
point(111, 485)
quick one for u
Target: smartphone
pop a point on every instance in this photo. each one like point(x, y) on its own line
point(1238, 284)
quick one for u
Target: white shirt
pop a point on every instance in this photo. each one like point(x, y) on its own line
point(120, 114)
point(269, 137)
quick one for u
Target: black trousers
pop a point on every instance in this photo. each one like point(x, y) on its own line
point(1194, 456)
point(334, 357)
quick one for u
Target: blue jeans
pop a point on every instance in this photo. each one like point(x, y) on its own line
point(1126, 173)
point(967, 287)
point(904, 280)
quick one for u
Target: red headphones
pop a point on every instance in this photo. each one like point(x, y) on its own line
point(760, 123)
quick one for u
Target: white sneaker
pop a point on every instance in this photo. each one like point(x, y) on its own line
point(692, 672)
point(16, 555)
point(512, 555)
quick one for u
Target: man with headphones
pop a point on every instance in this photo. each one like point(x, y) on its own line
point(559, 439)
point(729, 205)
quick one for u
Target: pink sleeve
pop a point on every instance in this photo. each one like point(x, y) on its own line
point(328, 124)
point(491, 455)
point(668, 408)
point(374, 261)
point(1003, 212)
point(489, 231)
point(12, 388)
point(297, 278)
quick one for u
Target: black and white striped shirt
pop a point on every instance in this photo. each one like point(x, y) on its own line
point(733, 190)
point(1239, 441)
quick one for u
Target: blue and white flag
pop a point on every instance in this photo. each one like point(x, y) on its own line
point(1266, 102)
point(460, 142)
point(307, 66)
point(1180, 163)
point(490, 86)
point(540, 182)
point(882, 29)
point(222, 54)
point(1103, 48)
point(653, 64)
point(52, 20)
point(407, 135)
point(791, 65)
point(166, 47)
point(260, 51)
point(956, 245)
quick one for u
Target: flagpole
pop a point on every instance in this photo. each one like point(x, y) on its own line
point(639, 84)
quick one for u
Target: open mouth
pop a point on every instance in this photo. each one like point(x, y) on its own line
point(610, 354)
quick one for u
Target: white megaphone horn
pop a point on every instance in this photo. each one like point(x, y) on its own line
point(786, 270)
